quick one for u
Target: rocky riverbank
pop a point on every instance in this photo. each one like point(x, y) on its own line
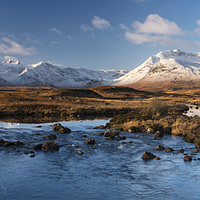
point(161, 120)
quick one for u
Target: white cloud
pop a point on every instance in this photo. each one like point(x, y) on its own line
point(163, 40)
point(69, 37)
point(8, 46)
point(154, 24)
point(197, 30)
point(100, 23)
point(123, 26)
point(55, 30)
point(9, 58)
point(156, 31)
point(86, 28)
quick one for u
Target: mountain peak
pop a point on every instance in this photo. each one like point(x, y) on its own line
point(167, 66)
point(10, 61)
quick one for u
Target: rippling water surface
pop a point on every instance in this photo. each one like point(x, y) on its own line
point(112, 170)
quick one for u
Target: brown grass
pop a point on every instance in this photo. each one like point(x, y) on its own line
point(47, 102)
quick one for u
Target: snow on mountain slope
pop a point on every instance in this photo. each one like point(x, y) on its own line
point(171, 66)
point(45, 74)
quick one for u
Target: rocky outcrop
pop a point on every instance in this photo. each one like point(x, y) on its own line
point(58, 127)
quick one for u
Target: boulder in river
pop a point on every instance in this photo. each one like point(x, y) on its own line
point(187, 158)
point(168, 149)
point(50, 137)
point(112, 132)
point(148, 156)
point(90, 141)
point(38, 147)
point(158, 135)
point(58, 127)
point(159, 147)
point(48, 146)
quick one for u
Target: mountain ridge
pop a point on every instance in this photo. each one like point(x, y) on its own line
point(15, 73)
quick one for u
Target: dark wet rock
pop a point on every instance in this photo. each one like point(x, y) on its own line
point(38, 147)
point(112, 132)
point(50, 137)
point(120, 138)
point(39, 126)
point(159, 147)
point(80, 153)
point(158, 135)
point(29, 152)
point(18, 143)
point(187, 158)
point(58, 127)
point(110, 137)
point(168, 149)
point(100, 127)
point(148, 156)
point(192, 154)
point(84, 136)
point(167, 130)
point(48, 146)
point(2, 141)
point(90, 141)
point(133, 129)
point(181, 151)
point(64, 130)
point(8, 144)
point(100, 133)
point(196, 150)
point(32, 156)
point(37, 134)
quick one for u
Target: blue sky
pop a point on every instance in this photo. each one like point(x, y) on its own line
point(96, 34)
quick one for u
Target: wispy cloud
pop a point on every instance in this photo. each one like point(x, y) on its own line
point(97, 23)
point(197, 30)
point(100, 23)
point(140, 1)
point(55, 30)
point(8, 46)
point(156, 31)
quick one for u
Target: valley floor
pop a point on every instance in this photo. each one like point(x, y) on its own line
point(45, 104)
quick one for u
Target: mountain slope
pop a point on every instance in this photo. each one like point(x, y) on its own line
point(166, 70)
point(45, 74)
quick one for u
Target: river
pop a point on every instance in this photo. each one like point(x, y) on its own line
point(110, 170)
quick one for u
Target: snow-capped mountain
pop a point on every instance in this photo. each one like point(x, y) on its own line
point(166, 70)
point(44, 74)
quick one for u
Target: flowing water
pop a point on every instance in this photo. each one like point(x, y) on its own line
point(112, 170)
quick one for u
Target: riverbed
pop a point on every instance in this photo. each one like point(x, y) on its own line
point(110, 170)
